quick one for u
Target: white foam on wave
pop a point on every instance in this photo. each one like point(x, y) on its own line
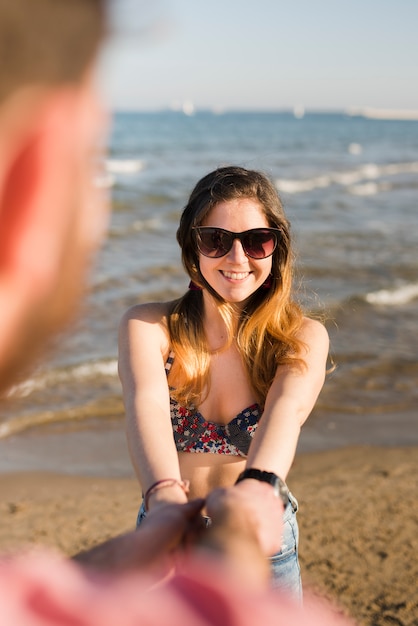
point(151, 224)
point(355, 179)
point(368, 189)
point(138, 226)
point(124, 166)
point(300, 186)
point(392, 297)
point(81, 372)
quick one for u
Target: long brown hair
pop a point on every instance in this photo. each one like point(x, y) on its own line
point(266, 333)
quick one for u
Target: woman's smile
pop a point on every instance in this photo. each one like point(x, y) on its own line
point(235, 275)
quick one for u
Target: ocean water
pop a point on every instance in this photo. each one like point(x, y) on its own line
point(349, 186)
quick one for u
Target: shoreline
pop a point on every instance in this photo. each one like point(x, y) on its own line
point(99, 448)
point(357, 523)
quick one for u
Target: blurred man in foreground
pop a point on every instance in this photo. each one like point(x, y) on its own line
point(52, 218)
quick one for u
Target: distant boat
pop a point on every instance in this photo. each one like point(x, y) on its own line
point(188, 107)
point(383, 114)
point(299, 111)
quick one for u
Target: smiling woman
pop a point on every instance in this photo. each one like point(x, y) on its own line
point(220, 381)
point(241, 262)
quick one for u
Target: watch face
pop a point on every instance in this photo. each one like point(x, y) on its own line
point(281, 490)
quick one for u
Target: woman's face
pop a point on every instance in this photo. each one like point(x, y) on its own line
point(235, 276)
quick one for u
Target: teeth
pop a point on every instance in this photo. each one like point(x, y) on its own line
point(236, 275)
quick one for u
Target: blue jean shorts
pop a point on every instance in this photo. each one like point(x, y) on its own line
point(285, 570)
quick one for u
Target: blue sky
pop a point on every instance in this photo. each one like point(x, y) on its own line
point(263, 54)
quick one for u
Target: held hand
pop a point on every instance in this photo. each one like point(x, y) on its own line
point(250, 507)
point(172, 526)
point(152, 546)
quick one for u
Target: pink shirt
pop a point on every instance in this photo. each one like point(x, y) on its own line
point(42, 589)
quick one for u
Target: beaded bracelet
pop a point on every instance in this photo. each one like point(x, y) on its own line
point(165, 482)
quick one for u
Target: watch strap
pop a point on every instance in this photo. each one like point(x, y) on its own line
point(280, 487)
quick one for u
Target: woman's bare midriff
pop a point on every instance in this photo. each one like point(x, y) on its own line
point(207, 471)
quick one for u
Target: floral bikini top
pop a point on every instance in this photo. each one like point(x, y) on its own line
point(192, 433)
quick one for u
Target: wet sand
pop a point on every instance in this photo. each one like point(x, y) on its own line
point(358, 521)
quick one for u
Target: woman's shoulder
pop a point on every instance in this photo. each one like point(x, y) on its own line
point(149, 312)
point(145, 325)
point(313, 331)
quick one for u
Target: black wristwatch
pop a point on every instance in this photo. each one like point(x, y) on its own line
point(280, 488)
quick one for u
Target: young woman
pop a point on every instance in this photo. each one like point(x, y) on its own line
point(221, 380)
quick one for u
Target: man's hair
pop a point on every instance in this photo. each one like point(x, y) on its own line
point(47, 42)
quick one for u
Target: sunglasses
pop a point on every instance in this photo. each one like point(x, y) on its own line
point(257, 243)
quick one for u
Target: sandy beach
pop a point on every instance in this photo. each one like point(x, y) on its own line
point(358, 520)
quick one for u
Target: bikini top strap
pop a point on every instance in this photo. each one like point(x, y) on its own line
point(169, 362)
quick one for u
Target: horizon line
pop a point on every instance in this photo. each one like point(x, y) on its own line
point(189, 110)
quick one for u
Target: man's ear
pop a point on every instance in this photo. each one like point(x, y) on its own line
point(47, 210)
point(34, 188)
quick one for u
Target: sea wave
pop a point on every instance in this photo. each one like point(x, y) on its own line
point(124, 166)
point(402, 294)
point(115, 168)
point(109, 407)
point(357, 180)
point(77, 373)
point(150, 225)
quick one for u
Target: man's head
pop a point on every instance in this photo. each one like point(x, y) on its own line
point(51, 125)
point(47, 42)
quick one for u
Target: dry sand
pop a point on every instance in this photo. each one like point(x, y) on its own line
point(358, 521)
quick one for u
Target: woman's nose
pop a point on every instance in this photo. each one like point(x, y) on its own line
point(236, 253)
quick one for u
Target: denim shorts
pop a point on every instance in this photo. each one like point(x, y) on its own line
point(285, 570)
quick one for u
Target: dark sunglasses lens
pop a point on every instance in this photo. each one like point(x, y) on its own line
point(259, 244)
point(213, 242)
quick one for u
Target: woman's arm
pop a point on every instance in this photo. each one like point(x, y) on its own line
point(142, 345)
point(289, 402)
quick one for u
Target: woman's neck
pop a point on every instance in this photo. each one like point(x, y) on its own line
point(217, 331)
